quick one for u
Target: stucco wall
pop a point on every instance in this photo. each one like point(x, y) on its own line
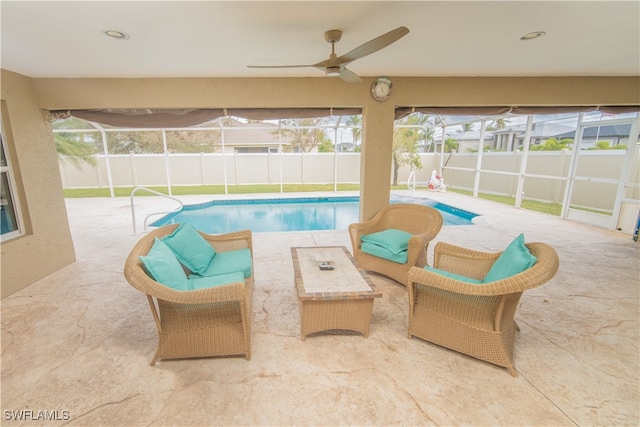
point(47, 245)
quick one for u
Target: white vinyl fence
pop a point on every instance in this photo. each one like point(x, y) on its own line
point(546, 172)
point(596, 181)
point(213, 169)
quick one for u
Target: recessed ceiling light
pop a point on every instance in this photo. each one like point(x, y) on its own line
point(533, 35)
point(120, 35)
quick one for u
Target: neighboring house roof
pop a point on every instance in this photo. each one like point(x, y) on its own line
point(607, 131)
point(539, 130)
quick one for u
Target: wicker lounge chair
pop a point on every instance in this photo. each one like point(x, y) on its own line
point(215, 321)
point(474, 319)
point(421, 221)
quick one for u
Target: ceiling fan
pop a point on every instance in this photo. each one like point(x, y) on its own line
point(335, 66)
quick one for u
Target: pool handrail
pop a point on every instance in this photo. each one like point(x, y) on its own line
point(133, 208)
point(411, 182)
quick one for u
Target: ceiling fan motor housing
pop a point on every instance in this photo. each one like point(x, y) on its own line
point(333, 36)
point(333, 71)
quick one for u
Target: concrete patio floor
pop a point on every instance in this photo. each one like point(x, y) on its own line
point(80, 340)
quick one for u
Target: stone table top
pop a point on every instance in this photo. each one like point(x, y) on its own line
point(346, 281)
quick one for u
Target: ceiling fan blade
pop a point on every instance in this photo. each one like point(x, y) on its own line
point(349, 76)
point(322, 64)
point(280, 66)
point(373, 45)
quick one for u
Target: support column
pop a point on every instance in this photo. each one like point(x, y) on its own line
point(375, 158)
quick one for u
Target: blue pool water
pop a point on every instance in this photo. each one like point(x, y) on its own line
point(317, 213)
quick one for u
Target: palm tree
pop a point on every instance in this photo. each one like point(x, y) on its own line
point(71, 148)
point(355, 122)
point(466, 127)
point(605, 145)
point(553, 144)
point(498, 124)
point(450, 144)
point(425, 130)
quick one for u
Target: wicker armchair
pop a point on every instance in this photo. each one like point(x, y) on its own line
point(474, 319)
point(421, 221)
point(214, 321)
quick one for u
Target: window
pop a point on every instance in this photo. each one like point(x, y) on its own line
point(10, 221)
point(247, 150)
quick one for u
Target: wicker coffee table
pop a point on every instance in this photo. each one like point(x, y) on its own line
point(340, 298)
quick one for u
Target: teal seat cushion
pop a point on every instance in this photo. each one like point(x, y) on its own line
point(515, 259)
point(381, 252)
point(395, 241)
point(453, 276)
point(230, 262)
point(162, 265)
point(191, 249)
point(195, 283)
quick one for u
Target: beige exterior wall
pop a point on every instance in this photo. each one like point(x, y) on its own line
point(50, 241)
point(46, 245)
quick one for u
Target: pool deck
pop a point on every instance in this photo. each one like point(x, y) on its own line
point(80, 339)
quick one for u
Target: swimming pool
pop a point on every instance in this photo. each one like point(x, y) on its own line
point(290, 214)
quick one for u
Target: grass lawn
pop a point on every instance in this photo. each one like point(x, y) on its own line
point(211, 189)
point(544, 207)
point(548, 208)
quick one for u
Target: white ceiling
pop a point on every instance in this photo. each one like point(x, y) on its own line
point(219, 39)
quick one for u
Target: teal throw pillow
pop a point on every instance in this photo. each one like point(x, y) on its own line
point(191, 249)
point(162, 265)
point(208, 282)
point(515, 259)
point(393, 240)
point(453, 276)
point(230, 262)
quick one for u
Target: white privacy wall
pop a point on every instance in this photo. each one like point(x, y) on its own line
point(545, 181)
